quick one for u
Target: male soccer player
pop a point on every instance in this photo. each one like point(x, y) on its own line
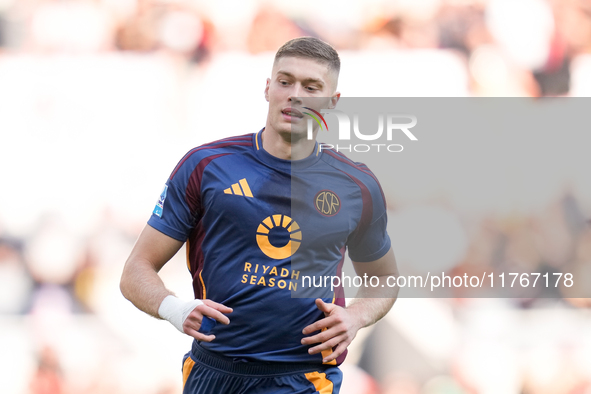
point(247, 208)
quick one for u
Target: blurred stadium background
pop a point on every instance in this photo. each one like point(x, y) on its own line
point(100, 98)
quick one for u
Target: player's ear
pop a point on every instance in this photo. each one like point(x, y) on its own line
point(334, 100)
point(267, 89)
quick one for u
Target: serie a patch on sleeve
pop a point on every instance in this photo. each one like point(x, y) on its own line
point(158, 209)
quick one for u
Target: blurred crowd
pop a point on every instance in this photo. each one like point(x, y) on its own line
point(54, 275)
point(525, 48)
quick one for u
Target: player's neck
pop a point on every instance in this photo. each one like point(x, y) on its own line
point(286, 149)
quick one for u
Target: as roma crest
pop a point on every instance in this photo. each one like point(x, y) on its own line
point(327, 203)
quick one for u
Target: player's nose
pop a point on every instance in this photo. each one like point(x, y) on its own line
point(295, 94)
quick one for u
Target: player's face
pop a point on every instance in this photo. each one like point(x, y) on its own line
point(293, 81)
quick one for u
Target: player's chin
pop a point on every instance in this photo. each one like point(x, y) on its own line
point(297, 128)
point(293, 133)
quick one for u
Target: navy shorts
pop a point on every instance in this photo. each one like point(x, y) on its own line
point(205, 372)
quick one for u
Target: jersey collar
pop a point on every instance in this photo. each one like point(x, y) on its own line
point(266, 157)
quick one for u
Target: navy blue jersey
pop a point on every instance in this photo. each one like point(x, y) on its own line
point(247, 217)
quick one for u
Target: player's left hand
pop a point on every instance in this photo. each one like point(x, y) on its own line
point(338, 328)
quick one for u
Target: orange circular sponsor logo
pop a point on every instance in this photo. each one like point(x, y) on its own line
point(282, 224)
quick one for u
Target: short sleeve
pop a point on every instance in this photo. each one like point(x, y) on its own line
point(176, 211)
point(370, 240)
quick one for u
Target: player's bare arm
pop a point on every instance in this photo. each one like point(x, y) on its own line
point(369, 306)
point(141, 284)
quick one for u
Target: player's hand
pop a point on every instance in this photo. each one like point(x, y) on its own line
point(338, 328)
point(209, 308)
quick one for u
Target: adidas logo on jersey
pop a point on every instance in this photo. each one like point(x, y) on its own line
point(240, 188)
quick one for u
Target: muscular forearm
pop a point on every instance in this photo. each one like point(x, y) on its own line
point(372, 303)
point(141, 285)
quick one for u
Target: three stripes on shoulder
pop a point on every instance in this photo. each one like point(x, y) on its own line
point(240, 188)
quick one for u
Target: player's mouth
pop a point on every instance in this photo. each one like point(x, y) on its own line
point(291, 114)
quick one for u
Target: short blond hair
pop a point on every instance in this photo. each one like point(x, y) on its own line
point(311, 48)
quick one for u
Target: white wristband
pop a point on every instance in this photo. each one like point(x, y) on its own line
point(176, 311)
